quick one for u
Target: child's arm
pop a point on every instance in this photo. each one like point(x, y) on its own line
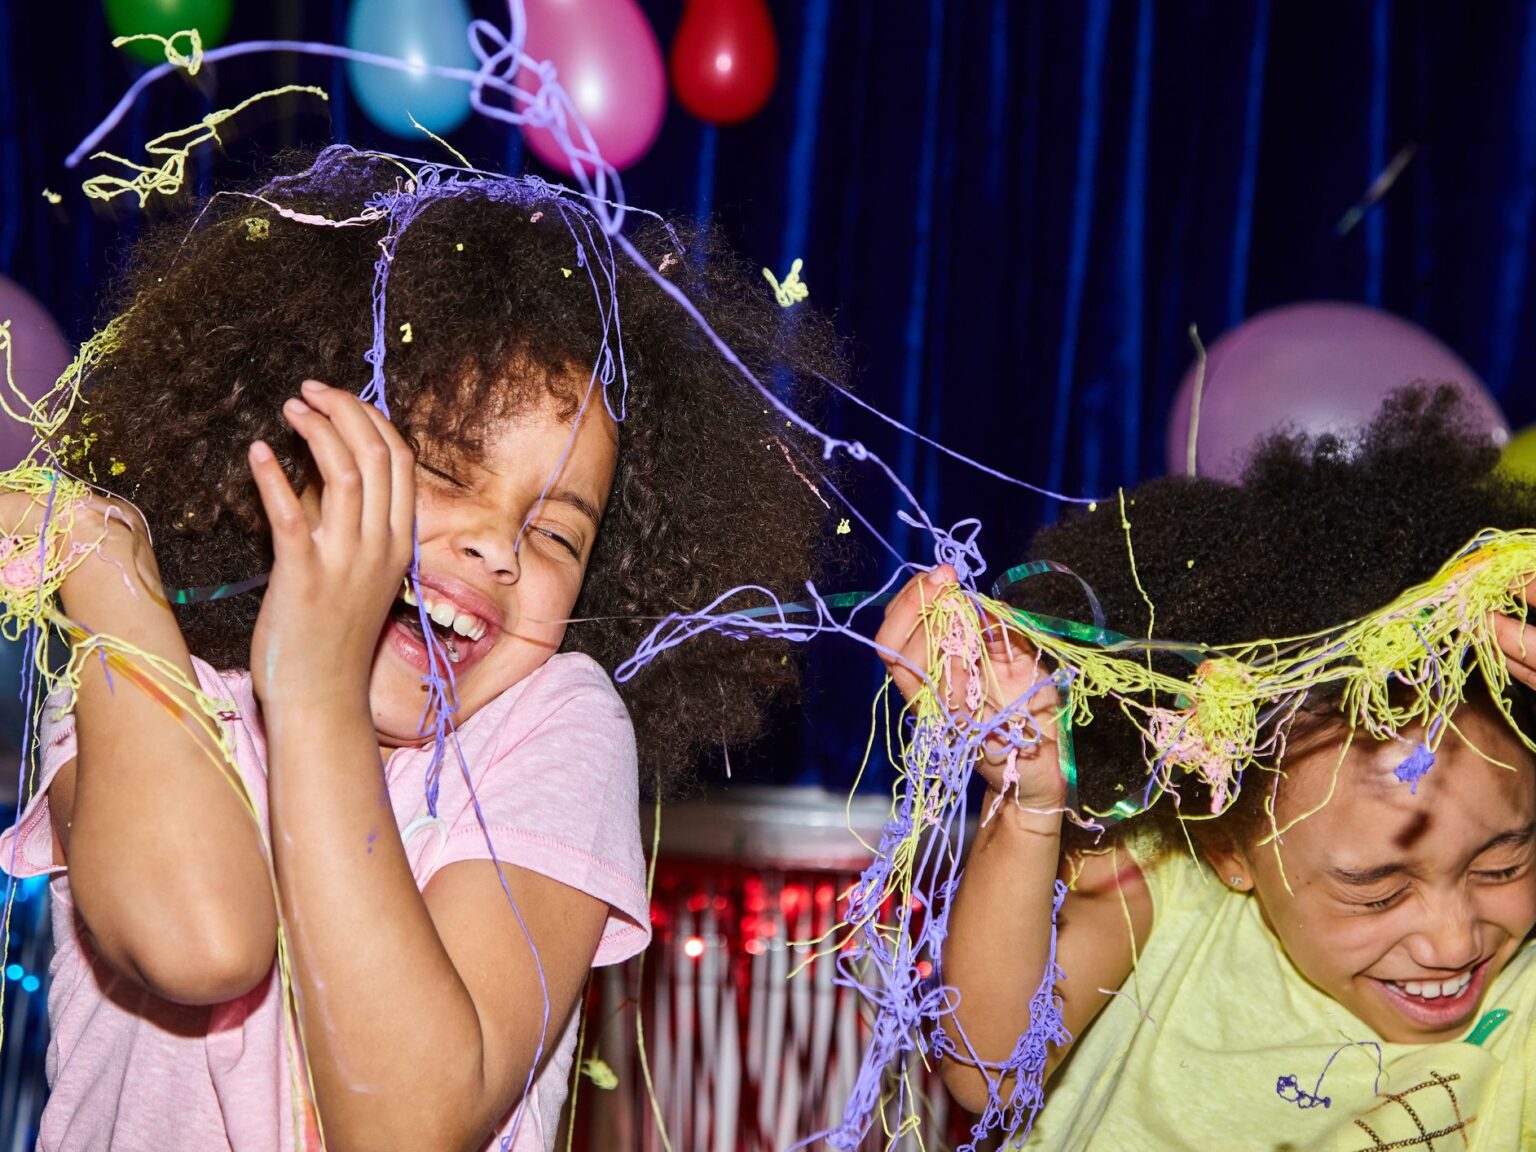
point(1000, 921)
point(421, 1015)
point(165, 866)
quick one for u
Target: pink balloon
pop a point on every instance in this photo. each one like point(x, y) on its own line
point(606, 56)
point(39, 354)
point(1314, 367)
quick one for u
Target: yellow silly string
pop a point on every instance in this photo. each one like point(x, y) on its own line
point(175, 146)
point(34, 562)
point(1234, 713)
point(1407, 665)
point(190, 62)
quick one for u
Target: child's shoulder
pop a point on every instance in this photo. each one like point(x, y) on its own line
point(569, 696)
point(559, 730)
point(565, 680)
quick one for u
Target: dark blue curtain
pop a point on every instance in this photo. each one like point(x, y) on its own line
point(1015, 210)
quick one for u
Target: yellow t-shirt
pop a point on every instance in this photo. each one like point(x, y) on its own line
point(1192, 1050)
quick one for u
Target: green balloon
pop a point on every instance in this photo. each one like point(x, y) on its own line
point(166, 18)
point(1519, 456)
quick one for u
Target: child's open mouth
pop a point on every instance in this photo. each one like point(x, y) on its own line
point(1438, 1004)
point(462, 634)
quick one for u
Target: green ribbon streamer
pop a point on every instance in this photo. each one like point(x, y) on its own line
point(1487, 1026)
point(219, 592)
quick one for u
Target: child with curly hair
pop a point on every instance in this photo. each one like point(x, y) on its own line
point(1362, 980)
point(511, 530)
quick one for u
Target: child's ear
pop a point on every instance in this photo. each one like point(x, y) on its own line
point(1231, 865)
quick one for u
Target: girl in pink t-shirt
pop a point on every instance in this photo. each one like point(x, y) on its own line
point(443, 777)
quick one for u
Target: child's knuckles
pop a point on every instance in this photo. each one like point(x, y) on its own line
point(347, 479)
point(289, 522)
point(375, 452)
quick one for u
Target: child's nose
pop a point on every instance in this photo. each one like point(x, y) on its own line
point(1448, 940)
point(495, 551)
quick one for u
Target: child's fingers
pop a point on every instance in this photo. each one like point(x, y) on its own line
point(1518, 643)
point(369, 451)
point(402, 464)
point(284, 512)
point(901, 636)
point(906, 607)
point(919, 591)
point(341, 491)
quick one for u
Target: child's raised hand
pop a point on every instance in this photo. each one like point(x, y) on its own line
point(1034, 771)
point(335, 574)
point(100, 526)
point(1518, 642)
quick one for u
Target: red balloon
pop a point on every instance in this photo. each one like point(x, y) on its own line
point(725, 59)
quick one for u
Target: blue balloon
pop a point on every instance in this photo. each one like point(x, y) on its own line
point(419, 31)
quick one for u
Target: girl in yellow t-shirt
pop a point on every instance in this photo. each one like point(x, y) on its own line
point(1363, 982)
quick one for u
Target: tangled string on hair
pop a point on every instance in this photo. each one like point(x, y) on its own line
point(1321, 530)
point(224, 313)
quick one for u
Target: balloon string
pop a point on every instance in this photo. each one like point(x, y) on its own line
point(1195, 402)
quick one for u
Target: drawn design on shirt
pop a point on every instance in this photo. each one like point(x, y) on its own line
point(1425, 1139)
point(1289, 1089)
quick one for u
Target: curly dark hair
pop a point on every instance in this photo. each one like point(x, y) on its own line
point(1320, 531)
point(223, 316)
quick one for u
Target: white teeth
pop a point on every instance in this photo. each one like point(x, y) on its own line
point(1435, 989)
point(446, 616)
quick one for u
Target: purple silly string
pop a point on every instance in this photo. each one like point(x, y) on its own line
point(903, 1001)
point(1412, 769)
point(884, 973)
point(1015, 1116)
point(403, 208)
point(1422, 758)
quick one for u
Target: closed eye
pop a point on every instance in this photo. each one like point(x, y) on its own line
point(570, 547)
point(1384, 903)
point(1499, 875)
point(446, 477)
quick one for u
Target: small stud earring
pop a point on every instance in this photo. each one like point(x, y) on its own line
point(1237, 881)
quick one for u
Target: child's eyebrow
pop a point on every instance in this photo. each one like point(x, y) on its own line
point(1364, 877)
point(577, 501)
point(1515, 837)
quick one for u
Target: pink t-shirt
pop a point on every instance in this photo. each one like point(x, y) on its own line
point(553, 765)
